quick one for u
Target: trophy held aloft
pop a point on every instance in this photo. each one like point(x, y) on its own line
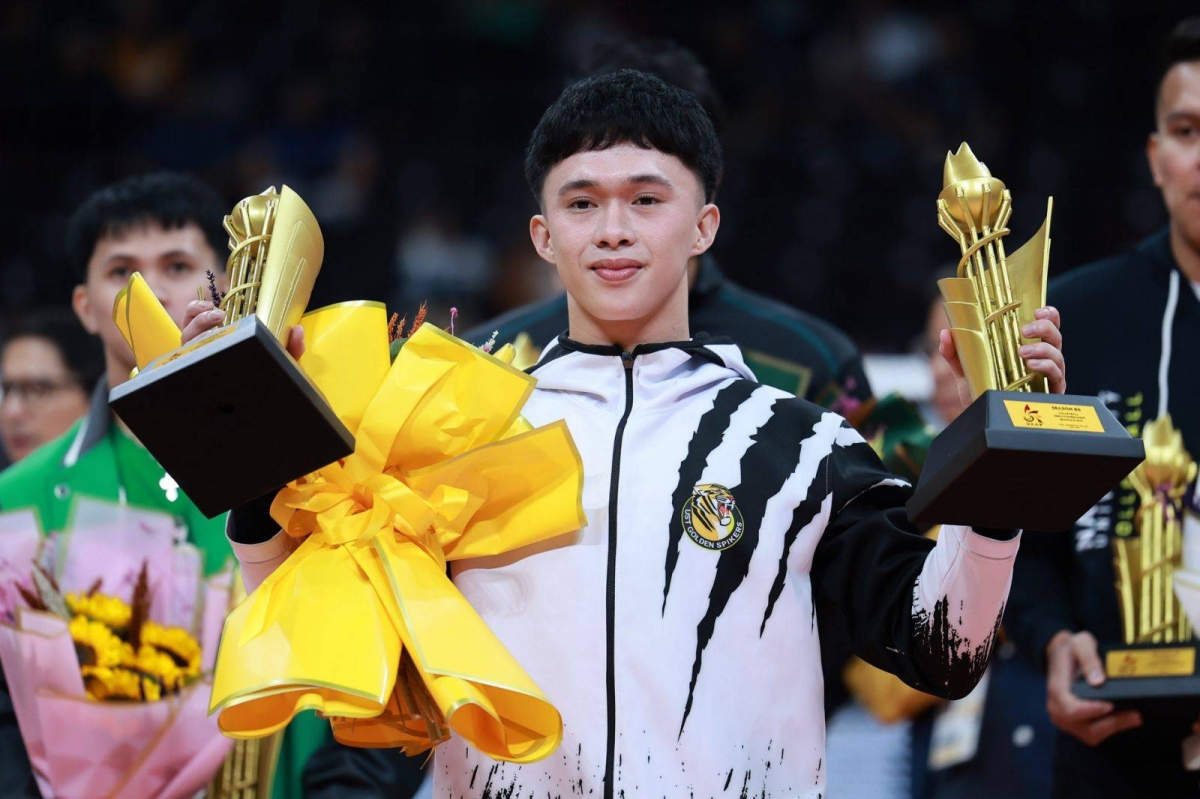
point(232, 416)
point(1018, 457)
point(1153, 669)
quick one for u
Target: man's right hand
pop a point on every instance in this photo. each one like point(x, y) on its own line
point(1067, 657)
point(201, 316)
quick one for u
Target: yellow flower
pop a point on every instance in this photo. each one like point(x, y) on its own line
point(100, 607)
point(95, 643)
point(182, 648)
point(119, 684)
point(158, 665)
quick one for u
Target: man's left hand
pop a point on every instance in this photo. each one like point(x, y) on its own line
point(1043, 357)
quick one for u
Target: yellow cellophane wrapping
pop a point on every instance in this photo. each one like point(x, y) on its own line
point(137, 310)
point(444, 468)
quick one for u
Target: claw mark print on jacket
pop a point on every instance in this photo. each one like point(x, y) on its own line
point(734, 525)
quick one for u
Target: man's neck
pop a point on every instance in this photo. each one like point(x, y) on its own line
point(1185, 254)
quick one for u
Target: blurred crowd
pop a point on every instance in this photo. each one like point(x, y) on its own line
point(403, 126)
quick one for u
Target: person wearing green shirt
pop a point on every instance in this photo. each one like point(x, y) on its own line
point(168, 228)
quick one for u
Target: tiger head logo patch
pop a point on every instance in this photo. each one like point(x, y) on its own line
point(711, 517)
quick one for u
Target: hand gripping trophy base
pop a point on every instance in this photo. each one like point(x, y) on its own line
point(1017, 460)
point(231, 417)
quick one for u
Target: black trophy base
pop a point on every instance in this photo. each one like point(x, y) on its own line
point(984, 470)
point(232, 419)
point(1153, 697)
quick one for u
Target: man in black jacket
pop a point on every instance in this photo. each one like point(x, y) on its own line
point(1135, 333)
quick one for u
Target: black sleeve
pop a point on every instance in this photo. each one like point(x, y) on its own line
point(252, 523)
point(865, 571)
point(336, 771)
point(1040, 606)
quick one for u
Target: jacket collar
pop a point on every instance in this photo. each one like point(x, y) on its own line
point(95, 425)
point(661, 373)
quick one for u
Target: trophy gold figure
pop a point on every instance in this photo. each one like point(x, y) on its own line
point(978, 470)
point(239, 383)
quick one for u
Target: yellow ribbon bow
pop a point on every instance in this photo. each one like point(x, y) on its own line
point(361, 622)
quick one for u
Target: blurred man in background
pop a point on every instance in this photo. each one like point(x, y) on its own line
point(1135, 332)
point(167, 227)
point(48, 366)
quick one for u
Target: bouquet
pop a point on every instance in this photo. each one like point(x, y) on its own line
point(106, 635)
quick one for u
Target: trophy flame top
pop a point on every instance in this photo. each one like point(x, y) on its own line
point(1168, 466)
point(966, 176)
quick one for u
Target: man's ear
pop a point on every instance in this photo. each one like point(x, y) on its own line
point(1151, 156)
point(706, 229)
point(539, 231)
point(82, 305)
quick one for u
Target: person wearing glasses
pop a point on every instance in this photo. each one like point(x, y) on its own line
point(48, 364)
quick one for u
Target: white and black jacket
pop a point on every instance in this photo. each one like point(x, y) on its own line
point(684, 657)
point(688, 666)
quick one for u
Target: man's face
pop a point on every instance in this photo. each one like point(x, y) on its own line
point(1174, 149)
point(620, 225)
point(173, 262)
point(40, 397)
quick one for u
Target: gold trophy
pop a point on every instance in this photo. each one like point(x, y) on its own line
point(979, 469)
point(1156, 665)
point(239, 384)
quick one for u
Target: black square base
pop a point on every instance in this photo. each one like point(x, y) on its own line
point(984, 471)
point(232, 419)
point(1153, 697)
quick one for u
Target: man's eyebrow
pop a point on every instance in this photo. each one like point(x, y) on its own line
point(162, 256)
point(1175, 116)
point(586, 183)
point(652, 178)
point(581, 183)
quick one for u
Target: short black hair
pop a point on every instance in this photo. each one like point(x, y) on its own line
point(169, 199)
point(664, 58)
point(621, 107)
point(1182, 45)
point(80, 351)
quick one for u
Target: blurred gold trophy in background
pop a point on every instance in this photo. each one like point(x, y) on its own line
point(979, 469)
point(1145, 565)
point(238, 384)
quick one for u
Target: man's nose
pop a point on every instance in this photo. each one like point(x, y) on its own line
point(614, 227)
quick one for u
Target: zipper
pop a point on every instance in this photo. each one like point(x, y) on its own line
point(627, 362)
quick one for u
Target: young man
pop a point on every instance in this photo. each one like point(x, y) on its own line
point(784, 347)
point(166, 227)
point(1064, 609)
point(678, 632)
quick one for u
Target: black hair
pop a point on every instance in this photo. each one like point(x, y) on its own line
point(663, 58)
point(81, 352)
point(169, 199)
point(626, 106)
point(1181, 46)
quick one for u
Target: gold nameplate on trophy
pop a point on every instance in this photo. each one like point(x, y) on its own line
point(978, 467)
point(1164, 662)
point(1053, 416)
